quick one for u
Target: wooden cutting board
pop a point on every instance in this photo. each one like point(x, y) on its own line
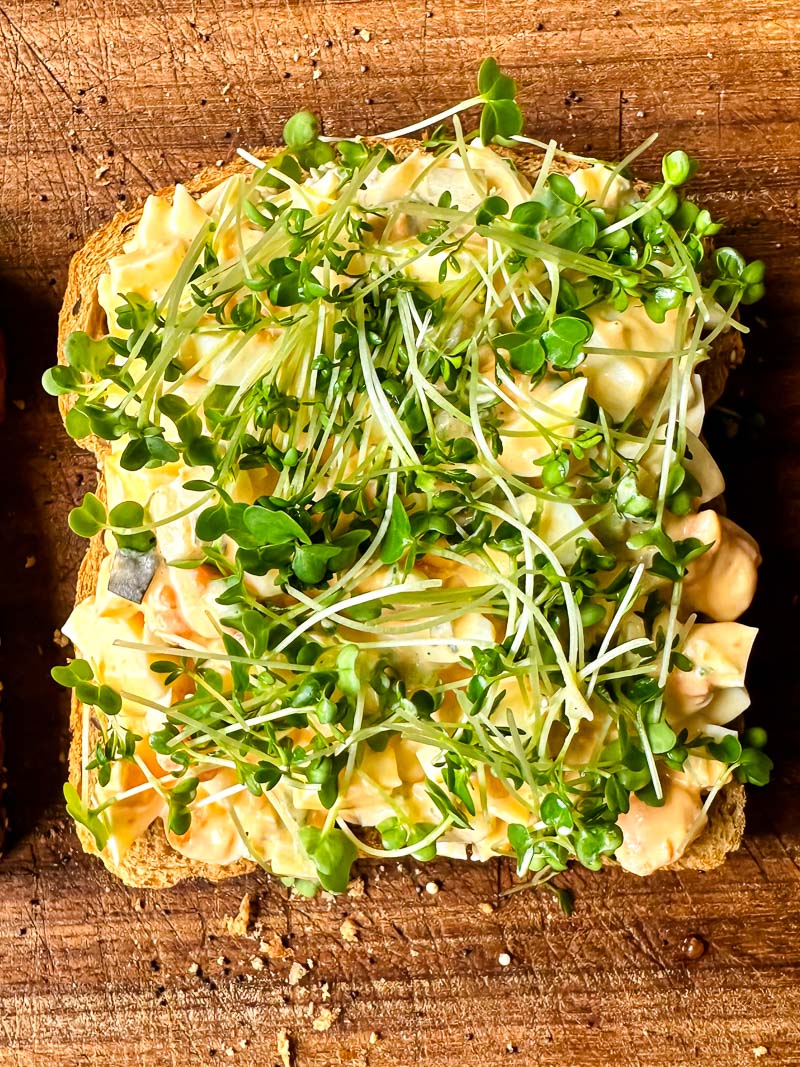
point(100, 103)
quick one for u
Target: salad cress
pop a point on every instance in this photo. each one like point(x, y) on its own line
point(422, 510)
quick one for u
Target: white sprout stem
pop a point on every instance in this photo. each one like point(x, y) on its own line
point(624, 607)
point(358, 718)
point(215, 798)
point(423, 124)
point(628, 220)
point(380, 404)
point(463, 152)
point(544, 145)
point(354, 601)
point(396, 853)
point(526, 616)
point(544, 169)
point(617, 170)
point(674, 604)
point(650, 758)
point(614, 653)
point(573, 613)
point(248, 157)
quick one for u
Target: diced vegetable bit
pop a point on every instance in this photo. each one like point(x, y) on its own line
point(132, 572)
point(419, 441)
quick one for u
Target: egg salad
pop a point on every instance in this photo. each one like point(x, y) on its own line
point(410, 542)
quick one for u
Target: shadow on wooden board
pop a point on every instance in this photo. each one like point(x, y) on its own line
point(39, 481)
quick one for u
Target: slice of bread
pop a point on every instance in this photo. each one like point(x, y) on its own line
point(151, 862)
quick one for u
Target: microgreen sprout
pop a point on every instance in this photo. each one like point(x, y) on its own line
point(406, 510)
point(501, 117)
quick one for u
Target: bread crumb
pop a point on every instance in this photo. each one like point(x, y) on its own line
point(194, 968)
point(326, 1018)
point(373, 1038)
point(30, 561)
point(504, 959)
point(349, 931)
point(222, 960)
point(275, 948)
point(297, 973)
point(60, 639)
point(365, 35)
point(230, 1052)
point(760, 1050)
point(284, 1048)
point(316, 75)
point(355, 888)
point(257, 963)
point(326, 992)
point(485, 908)
point(239, 923)
point(432, 888)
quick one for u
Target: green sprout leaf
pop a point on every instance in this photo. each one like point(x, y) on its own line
point(398, 534)
point(87, 356)
point(677, 168)
point(73, 673)
point(86, 817)
point(59, 381)
point(180, 798)
point(89, 518)
point(124, 520)
point(273, 527)
point(592, 843)
point(501, 118)
point(754, 767)
point(300, 130)
point(333, 855)
point(564, 340)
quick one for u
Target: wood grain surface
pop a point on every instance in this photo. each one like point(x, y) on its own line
point(103, 100)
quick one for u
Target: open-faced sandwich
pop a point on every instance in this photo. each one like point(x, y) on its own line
point(405, 540)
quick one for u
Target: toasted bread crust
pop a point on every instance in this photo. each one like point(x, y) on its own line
point(151, 862)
